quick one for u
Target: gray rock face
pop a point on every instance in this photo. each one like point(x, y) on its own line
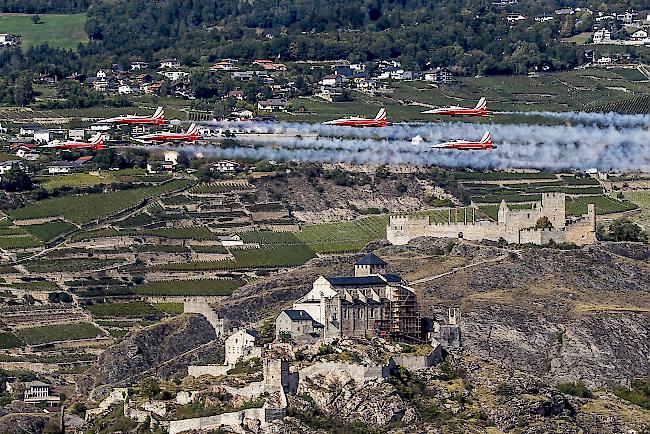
point(375, 403)
point(164, 349)
point(21, 423)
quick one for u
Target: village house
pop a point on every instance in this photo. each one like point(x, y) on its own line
point(240, 346)
point(9, 40)
point(272, 104)
point(128, 89)
point(139, 66)
point(439, 76)
point(39, 392)
point(602, 36)
point(237, 94)
point(370, 303)
point(175, 75)
point(43, 135)
point(225, 166)
point(61, 167)
point(513, 18)
point(27, 153)
point(170, 64)
point(544, 18)
point(224, 65)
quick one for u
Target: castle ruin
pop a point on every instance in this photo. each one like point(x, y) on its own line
point(516, 226)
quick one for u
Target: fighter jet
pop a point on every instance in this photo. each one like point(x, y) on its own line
point(479, 110)
point(381, 120)
point(467, 145)
point(158, 118)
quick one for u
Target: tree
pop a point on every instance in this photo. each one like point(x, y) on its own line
point(626, 230)
point(16, 179)
point(543, 223)
point(23, 91)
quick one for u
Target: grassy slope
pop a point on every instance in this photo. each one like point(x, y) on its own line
point(63, 31)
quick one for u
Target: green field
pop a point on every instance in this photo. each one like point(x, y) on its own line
point(48, 231)
point(81, 180)
point(87, 208)
point(19, 242)
point(641, 198)
point(349, 236)
point(604, 205)
point(199, 287)
point(61, 332)
point(68, 265)
point(62, 31)
point(132, 309)
point(9, 340)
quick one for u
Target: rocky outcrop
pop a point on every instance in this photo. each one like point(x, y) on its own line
point(375, 403)
point(164, 349)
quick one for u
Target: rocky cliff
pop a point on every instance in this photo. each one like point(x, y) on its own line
point(164, 349)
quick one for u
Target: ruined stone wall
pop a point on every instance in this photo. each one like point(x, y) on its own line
point(583, 231)
point(200, 305)
point(401, 230)
point(235, 421)
point(214, 370)
point(541, 236)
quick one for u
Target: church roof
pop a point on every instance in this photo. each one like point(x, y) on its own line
point(370, 259)
point(298, 315)
point(377, 279)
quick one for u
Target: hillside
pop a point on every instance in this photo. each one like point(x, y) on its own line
point(561, 315)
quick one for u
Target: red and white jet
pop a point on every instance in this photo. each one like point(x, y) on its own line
point(96, 143)
point(192, 135)
point(158, 118)
point(479, 110)
point(381, 120)
point(467, 145)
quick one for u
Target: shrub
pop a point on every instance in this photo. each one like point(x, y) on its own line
point(576, 389)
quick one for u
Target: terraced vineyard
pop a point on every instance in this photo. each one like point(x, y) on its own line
point(60, 332)
point(349, 236)
point(69, 265)
point(641, 198)
point(87, 208)
point(638, 105)
point(604, 205)
point(132, 309)
point(268, 256)
point(199, 287)
point(48, 231)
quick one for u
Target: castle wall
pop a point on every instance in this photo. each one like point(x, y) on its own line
point(401, 230)
point(541, 236)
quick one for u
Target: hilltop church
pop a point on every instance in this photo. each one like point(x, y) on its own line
point(370, 303)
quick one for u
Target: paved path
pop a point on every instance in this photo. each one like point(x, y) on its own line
point(464, 267)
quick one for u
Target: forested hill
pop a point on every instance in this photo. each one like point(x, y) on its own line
point(472, 35)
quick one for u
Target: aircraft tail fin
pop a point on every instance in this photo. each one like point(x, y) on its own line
point(382, 115)
point(159, 113)
point(482, 104)
point(96, 139)
point(487, 138)
point(192, 129)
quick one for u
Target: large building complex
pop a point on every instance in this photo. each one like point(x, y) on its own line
point(370, 303)
point(517, 226)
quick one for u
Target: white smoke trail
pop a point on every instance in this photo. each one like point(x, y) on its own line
point(618, 147)
point(604, 119)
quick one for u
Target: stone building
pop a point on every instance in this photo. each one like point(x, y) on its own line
point(240, 346)
point(370, 303)
point(517, 226)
